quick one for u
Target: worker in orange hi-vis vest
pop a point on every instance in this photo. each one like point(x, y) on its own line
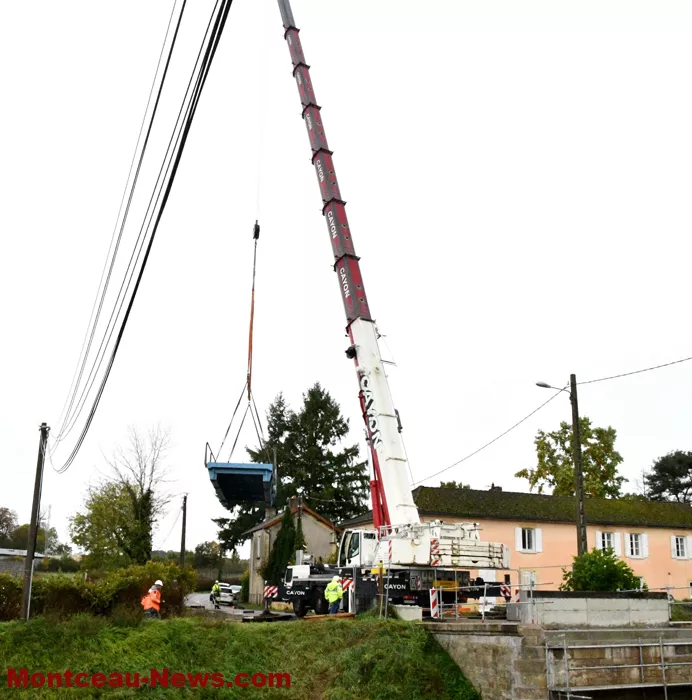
point(152, 601)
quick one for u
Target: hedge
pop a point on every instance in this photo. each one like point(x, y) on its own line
point(62, 596)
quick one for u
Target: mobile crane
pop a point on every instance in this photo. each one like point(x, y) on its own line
point(414, 553)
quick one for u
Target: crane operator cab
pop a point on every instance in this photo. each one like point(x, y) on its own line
point(357, 548)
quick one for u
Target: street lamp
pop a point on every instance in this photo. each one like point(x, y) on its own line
point(582, 546)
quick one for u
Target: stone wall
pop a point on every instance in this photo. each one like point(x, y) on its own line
point(503, 661)
point(13, 567)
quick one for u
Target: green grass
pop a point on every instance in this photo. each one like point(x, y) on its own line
point(330, 659)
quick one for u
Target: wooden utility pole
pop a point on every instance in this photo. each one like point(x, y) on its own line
point(182, 537)
point(33, 527)
point(582, 545)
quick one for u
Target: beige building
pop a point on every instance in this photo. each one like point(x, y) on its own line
point(653, 538)
point(321, 538)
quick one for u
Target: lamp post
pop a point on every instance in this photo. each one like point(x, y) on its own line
point(582, 546)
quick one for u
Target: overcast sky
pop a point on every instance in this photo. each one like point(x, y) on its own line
point(518, 182)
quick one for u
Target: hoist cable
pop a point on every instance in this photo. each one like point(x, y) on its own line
point(181, 140)
point(256, 231)
point(235, 442)
point(75, 384)
point(237, 406)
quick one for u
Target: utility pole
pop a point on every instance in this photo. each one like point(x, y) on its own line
point(182, 537)
point(33, 527)
point(582, 545)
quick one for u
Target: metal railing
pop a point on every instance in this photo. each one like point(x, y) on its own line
point(649, 663)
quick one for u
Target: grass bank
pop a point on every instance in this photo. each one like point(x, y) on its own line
point(331, 659)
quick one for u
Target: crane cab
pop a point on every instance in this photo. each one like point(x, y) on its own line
point(357, 548)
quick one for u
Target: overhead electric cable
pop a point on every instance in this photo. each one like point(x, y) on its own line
point(173, 144)
point(638, 371)
point(72, 394)
point(487, 444)
point(210, 52)
point(590, 381)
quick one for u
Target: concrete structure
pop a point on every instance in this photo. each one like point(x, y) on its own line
point(655, 539)
point(12, 561)
point(508, 661)
point(555, 609)
point(321, 539)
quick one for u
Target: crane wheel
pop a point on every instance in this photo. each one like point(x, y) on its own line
point(321, 605)
point(299, 607)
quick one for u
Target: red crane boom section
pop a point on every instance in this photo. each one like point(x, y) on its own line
point(346, 263)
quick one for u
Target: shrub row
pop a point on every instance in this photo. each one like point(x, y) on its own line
point(62, 595)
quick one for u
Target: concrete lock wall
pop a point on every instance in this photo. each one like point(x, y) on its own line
point(508, 661)
point(553, 609)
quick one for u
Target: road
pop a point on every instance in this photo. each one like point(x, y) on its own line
point(201, 600)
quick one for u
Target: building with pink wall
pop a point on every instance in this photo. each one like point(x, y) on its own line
point(653, 538)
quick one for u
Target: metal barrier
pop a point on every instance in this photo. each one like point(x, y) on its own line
point(648, 676)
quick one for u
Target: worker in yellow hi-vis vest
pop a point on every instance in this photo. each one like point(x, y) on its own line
point(334, 593)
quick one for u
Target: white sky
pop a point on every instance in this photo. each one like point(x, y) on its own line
point(518, 181)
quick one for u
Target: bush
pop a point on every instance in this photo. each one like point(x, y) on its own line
point(64, 564)
point(63, 596)
point(245, 586)
point(600, 570)
point(10, 597)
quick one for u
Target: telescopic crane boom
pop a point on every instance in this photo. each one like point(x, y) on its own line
point(417, 554)
point(390, 489)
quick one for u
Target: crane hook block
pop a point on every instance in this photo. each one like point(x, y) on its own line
point(256, 230)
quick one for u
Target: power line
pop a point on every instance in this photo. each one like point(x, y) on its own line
point(487, 444)
point(175, 522)
point(76, 379)
point(141, 239)
point(591, 381)
point(172, 166)
point(638, 371)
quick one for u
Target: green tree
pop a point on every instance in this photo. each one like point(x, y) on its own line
point(207, 555)
point(282, 551)
point(119, 515)
point(100, 530)
point(453, 485)
point(311, 461)
point(599, 570)
point(555, 468)
point(20, 539)
point(670, 478)
point(299, 542)
point(8, 524)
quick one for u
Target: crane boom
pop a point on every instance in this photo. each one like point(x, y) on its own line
point(391, 490)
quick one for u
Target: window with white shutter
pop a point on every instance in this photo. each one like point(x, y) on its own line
point(634, 545)
point(678, 547)
point(528, 539)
